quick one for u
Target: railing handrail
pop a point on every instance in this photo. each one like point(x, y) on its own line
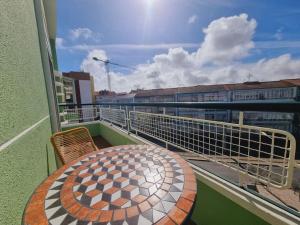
point(269, 106)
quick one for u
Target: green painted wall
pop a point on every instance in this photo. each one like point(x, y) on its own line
point(94, 128)
point(113, 136)
point(213, 208)
point(22, 86)
point(23, 166)
point(23, 102)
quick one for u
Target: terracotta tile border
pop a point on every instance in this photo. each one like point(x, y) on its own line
point(177, 215)
point(184, 204)
point(165, 221)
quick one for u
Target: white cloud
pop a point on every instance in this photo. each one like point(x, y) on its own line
point(59, 43)
point(192, 19)
point(176, 58)
point(227, 39)
point(277, 68)
point(218, 60)
point(95, 68)
point(84, 33)
point(81, 32)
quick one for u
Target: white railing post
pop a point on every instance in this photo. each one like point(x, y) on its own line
point(110, 112)
point(241, 118)
point(127, 119)
point(100, 116)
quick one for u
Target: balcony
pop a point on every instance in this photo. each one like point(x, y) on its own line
point(248, 172)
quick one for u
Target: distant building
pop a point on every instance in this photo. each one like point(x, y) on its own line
point(283, 90)
point(69, 90)
point(115, 98)
point(156, 95)
point(59, 88)
point(79, 87)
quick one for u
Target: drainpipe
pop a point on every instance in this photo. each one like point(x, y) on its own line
point(48, 71)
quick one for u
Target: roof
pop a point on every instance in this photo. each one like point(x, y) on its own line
point(203, 88)
point(262, 85)
point(295, 82)
point(116, 97)
point(77, 75)
point(157, 92)
point(221, 87)
point(125, 96)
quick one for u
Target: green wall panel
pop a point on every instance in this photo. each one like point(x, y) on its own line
point(23, 166)
point(26, 162)
point(22, 85)
point(93, 128)
point(213, 208)
point(115, 137)
point(109, 133)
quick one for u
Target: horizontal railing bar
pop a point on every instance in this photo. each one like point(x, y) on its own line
point(242, 106)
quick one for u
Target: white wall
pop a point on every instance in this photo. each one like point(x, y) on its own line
point(85, 91)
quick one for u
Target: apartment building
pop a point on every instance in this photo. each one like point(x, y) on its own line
point(115, 98)
point(282, 90)
point(156, 95)
point(60, 88)
point(79, 87)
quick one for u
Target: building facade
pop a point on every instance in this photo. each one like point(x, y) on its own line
point(115, 98)
point(79, 87)
point(283, 90)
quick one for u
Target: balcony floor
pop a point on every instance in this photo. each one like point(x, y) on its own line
point(101, 142)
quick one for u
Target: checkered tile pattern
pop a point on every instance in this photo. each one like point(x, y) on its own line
point(128, 185)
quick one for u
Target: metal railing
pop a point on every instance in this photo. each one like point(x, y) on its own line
point(264, 154)
point(117, 116)
point(77, 115)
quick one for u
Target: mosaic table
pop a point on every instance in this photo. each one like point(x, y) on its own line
point(131, 184)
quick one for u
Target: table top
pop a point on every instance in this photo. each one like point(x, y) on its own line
point(130, 184)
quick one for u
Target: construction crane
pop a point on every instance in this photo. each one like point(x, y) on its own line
point(106, 63)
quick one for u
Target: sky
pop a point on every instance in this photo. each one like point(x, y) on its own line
point(172, 43)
